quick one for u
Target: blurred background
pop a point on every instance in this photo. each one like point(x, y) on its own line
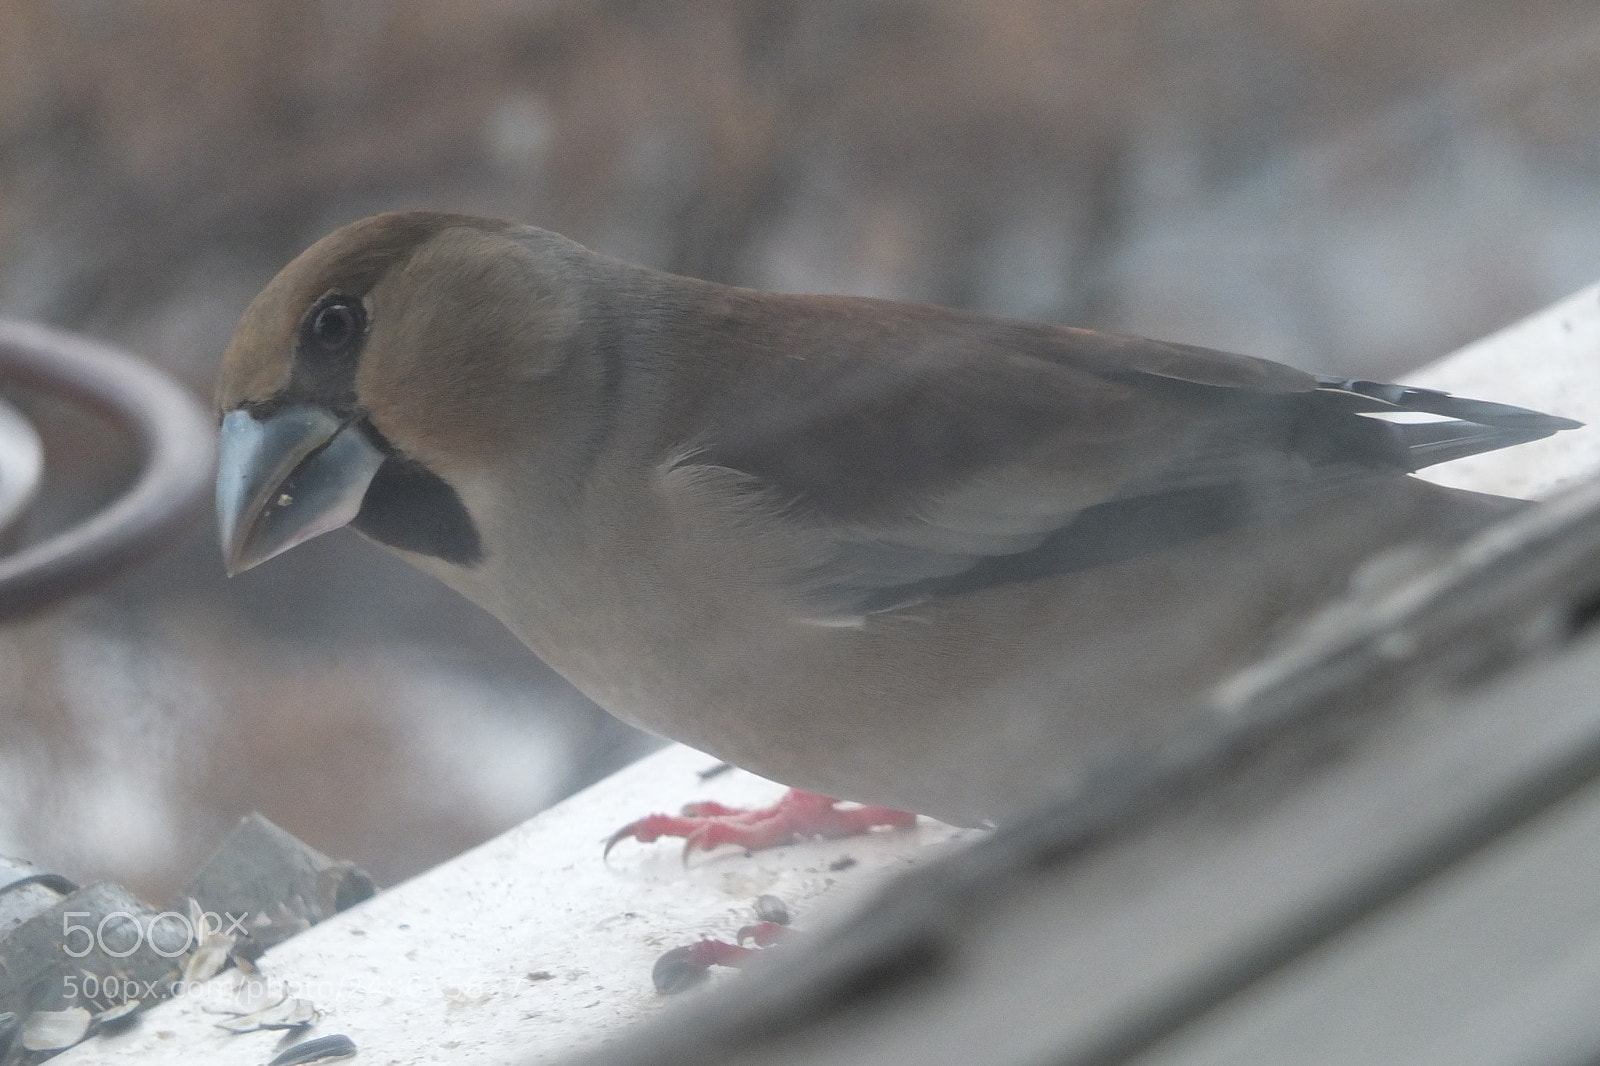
point(1348, 185)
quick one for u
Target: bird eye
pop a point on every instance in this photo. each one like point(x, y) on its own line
point(336, 324)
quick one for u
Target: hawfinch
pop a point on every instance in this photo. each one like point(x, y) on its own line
point(892, 553)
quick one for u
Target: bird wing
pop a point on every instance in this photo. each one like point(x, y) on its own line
point(948, 460)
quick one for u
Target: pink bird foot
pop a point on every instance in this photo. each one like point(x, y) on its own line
point(797, 816)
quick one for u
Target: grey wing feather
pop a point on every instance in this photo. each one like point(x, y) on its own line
point(1194, 458)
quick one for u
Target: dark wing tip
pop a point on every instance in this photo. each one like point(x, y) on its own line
point(1435, 402)
point(1468, 427)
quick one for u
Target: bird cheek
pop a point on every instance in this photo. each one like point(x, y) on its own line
point(440, 420)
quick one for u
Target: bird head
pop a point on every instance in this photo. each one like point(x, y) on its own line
point(380, 369)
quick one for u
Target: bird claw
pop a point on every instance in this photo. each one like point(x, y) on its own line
point(707, 826)
point(645, 830)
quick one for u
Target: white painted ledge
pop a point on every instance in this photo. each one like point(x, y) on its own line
point(529, 947)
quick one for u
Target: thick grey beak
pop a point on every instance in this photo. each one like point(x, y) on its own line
point(285, 479)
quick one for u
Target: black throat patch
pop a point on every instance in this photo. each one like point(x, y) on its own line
point(409, 507)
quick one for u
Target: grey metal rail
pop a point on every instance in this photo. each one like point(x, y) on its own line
point(170, 430)
point(21, 464)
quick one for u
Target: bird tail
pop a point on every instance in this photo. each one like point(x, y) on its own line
point(1459, 427)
